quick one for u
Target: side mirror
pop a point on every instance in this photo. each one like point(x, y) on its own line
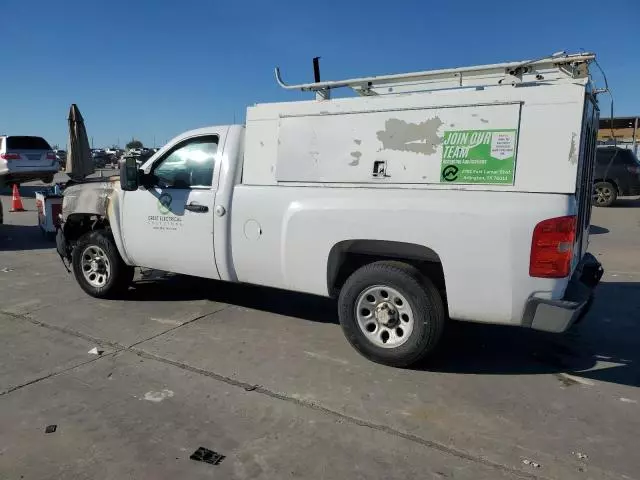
point(129, 180)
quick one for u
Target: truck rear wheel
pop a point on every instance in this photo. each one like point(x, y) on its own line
point(98, 267)
point(391, 313)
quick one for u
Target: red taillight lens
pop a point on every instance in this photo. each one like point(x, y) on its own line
point(10, 156)
point(552, 247)
point(633, 168)
point(51, 156)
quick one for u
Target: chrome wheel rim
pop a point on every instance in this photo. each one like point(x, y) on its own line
point(602, 195)
point(96, 267)
point(384, 316)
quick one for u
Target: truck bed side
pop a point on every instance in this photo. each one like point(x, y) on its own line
point(284, 237)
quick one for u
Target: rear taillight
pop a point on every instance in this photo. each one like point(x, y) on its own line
point(552, 247)
point(51, 156)
point(635, 169)
point(10, 156)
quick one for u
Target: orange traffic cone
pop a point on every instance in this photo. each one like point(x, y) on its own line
point(16, 201)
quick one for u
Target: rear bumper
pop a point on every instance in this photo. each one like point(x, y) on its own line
point(558, 315)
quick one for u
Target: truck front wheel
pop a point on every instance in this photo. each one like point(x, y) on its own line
point(98, 267)
point(391, 313)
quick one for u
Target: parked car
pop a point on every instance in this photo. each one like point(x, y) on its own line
point(139, 158)
point(141, 154)
point(617, 174)
point(114, 153)
point(114, 156)
point(1, 214)
point(26, 159)
point(100, 157)
point(61, 155)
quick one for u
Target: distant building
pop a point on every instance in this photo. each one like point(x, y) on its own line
point(623, 131)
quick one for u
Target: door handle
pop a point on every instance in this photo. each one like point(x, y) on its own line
point(194, 207)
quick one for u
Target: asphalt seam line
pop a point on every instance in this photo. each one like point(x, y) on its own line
point(349, 419)
point(55, 374)
point(153, 337)
point(75, 333)
point(258, 389)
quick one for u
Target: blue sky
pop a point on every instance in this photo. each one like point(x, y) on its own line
point(154, 68)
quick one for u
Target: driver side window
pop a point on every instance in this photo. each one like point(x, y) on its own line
point(189, 164)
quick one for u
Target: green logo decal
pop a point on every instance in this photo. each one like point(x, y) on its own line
point(164, 204)
point(450, 173)
point(479, 156)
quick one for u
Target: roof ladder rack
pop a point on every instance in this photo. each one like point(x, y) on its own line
point(558, 66)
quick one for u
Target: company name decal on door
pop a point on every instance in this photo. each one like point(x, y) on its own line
point(166, 220)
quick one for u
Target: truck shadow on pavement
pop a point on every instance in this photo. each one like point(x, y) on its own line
point(155, 286)
point(604, 346)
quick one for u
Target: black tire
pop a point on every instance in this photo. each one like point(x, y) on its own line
point(604, 194)
point(47, 179)
point(121, 274)
point(424, 300)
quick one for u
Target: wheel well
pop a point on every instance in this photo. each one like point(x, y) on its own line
point(348, 256)
point(78, 224)
point(615, 185)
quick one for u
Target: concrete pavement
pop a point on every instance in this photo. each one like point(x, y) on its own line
point(266, 378)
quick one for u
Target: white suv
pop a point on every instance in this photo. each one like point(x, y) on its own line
point(25, 159)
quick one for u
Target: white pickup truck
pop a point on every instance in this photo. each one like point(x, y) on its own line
point(460, 194)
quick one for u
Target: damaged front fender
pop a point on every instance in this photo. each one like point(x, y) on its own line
point(84, 206)
point(92, 197)
point(91, 205)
